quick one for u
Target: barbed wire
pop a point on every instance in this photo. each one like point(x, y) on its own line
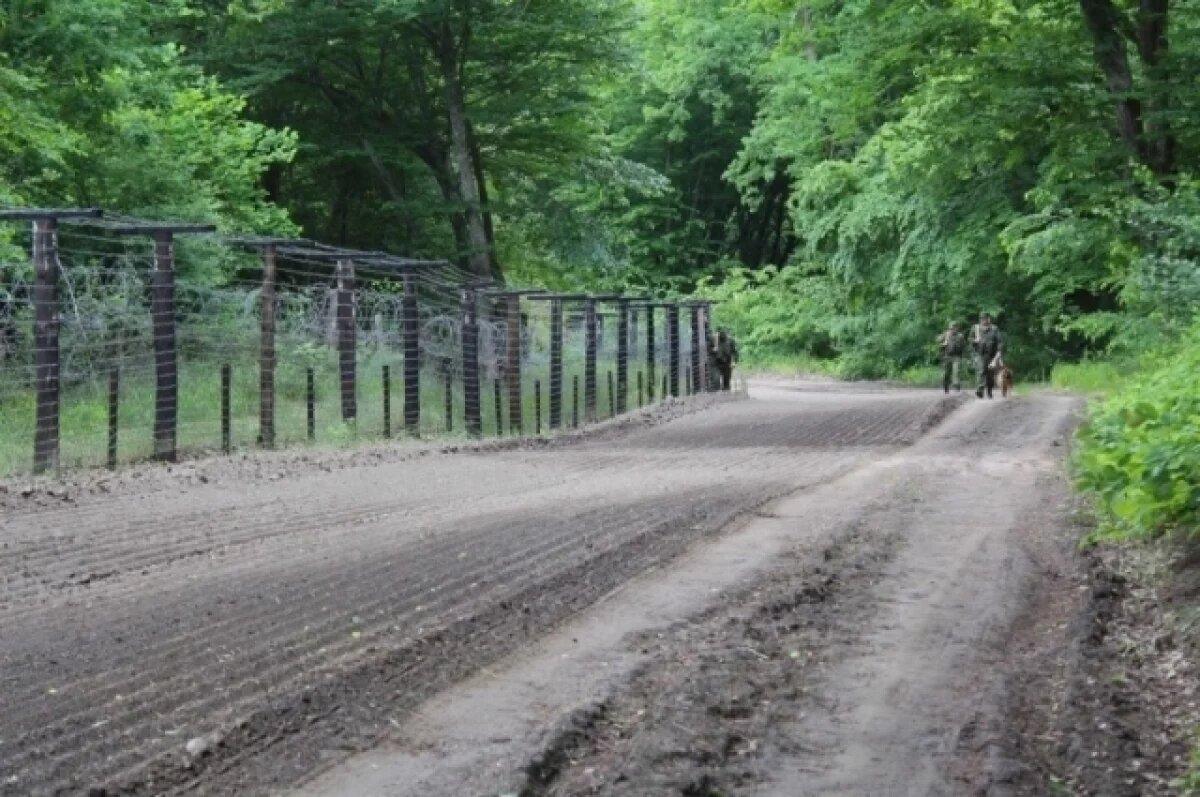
point(111, 337)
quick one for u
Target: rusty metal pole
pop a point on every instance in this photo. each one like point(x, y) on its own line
point(673, 348)
point(226, 408)
point(347, 338)
point(697, 346)
point(114, 398)
point(412, 359)
point(166, 363)
point(556, 363)
point(622, 356)
point(589, 361)
point(266, 378)
point(473, 417)
point(47, 366)
point(512, 370)
point(537, 407)
point(651, 354)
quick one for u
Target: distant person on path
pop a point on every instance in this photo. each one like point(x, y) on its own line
point(953, 346)
point(987, 343)
point(726, 355)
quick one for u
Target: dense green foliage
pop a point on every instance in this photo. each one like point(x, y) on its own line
point(845, 175)
point(1140, 449)
point(99, 106)
point(848, 174)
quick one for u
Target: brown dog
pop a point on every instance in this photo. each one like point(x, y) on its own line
point(1004, 379)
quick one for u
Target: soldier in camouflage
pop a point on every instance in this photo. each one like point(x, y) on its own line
point(725, 354)
point(953, 346)
point(987, 343)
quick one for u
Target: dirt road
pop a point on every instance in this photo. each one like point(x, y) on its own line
point(240, 627)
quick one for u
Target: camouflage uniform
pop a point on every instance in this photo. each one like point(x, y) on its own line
point(953, 345)
point(725, 356)
point(987, 343)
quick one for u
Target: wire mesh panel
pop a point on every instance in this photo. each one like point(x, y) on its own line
point(123, 340)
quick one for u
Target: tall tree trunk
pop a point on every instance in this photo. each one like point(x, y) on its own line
point(1152, 47)
point(1104, 22)
point(485, 208)
point(444, 176)
point(479, 256)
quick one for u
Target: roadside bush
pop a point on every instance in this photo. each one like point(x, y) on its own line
point(1140, 452)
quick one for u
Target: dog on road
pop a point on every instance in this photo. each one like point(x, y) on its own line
point(1003, 375)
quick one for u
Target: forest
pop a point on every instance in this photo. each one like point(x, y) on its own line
point(843, 176)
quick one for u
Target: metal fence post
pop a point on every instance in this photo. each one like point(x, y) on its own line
point(266, 378)
point(622, 356)
point(575, 401)
point(473, 419)
point(512, 370)
point(499, 409)
point(673, 348)
point(556, 363)
point(591, 333)
point(47, 366)
point(537, 406)
point(114, 398)
point(310, 400)
point(226, 409)
point(166, 364)
point(412, 358)
point(347, 338)
point(387, 402)
point(651, 353)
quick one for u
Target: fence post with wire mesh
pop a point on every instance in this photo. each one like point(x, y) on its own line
point(556, 351)
point(651, 353)
point(347, 345)
point(512, 368)
point(591, 335)
point(622, 355)
point(122, 312)
point(537, 406)
point(114, 408)
point(412, 357)
point(47, 363)
point(387, 402)
point(473, 417)
point(163, 327)
point(673, 348)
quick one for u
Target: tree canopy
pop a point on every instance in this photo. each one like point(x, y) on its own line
point(846, 175)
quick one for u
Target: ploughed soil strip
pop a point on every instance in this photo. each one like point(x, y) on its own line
point(229, 631)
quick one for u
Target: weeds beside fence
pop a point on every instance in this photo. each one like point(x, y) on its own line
point(118, 344)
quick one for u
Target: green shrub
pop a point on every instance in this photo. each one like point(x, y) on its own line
point(1140, 452)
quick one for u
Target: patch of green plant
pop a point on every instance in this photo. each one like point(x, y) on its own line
point(1188, 784)
point(1140, 448)
point(1090, 376)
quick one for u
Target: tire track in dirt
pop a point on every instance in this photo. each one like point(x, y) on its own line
point(865, 667)
point(170, 647)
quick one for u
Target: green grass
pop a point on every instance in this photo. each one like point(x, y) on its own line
point(778, 364)
point(84, 416)
point(1095, 377)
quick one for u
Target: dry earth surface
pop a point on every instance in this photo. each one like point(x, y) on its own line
point(823, 589)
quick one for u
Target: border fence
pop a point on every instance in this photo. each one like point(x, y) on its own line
point(127, 339)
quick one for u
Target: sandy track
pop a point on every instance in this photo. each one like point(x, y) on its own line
point(291, 619)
